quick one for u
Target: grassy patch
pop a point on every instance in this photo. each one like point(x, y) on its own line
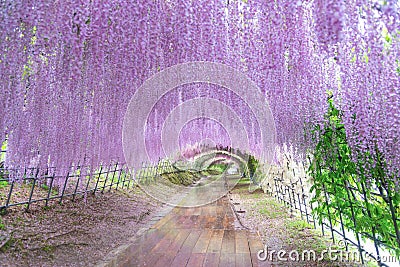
point(217, 168)
point(47, 208)
point(280, 229)
point(53, 192)
point(3, 184)
point(297, 225)
point(2, 224)
point(11, 243)
point(269, 207)
point(244, 181)
point(182, 178)
point(210, 172)
point(48, 248)
point(243, 188)
point(7, 245)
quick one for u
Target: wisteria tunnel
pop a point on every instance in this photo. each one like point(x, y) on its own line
point(200, 133)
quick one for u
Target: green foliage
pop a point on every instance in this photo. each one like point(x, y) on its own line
point(209, 172)
point(3, 184)
point(45, 208)
point(45, 187)
point(270, 207)
point(217, 168)
point(54, 190)
point(252, 164)
point(3, 148)
point(341, 187)
point(8, 244)
point(181, 177)
point(243, 181)
point(48, 248)
point(2, 225)
point(297, 225)
point(4, 145)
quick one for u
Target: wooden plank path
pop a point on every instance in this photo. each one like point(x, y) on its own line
point(195, 236)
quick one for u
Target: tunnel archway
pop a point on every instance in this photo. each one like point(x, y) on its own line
point(199, 72)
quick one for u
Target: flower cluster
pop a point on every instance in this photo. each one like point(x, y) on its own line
point(69, 68)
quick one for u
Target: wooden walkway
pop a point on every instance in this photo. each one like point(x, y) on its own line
point(200, 236)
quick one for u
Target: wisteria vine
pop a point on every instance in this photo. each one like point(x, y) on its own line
point(69, 68)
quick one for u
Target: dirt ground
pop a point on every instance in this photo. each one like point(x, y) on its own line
point(76, 233)
point(83, 232)
point(280, 230)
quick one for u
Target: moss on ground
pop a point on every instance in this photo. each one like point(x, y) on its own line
point(182, 177)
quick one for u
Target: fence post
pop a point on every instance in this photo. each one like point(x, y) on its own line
point(378, 258)
point(64, 187)
point(393, 215)
point(132, 175)
point(105, 181)
point(127, 174)
point(119, 177)
point(354, 221)
point(306, 210)
point(113, 175)
point(301, 211)
point(88, 181)
point(9, 196)
point(340, 214)
point(98, 178)
point(276, 189)
point(32, 188)
point(303, 196)
point(290, 199)
point(329, 213)
point(294, 197)
point(315, 226)
point(77, 183)
point(50, 188)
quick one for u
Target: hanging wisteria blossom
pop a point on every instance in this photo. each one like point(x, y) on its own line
point(69, 68)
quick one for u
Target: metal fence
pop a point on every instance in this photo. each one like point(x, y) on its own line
point(35, 187)
point(296, 196)
point(44, 186)
point(150, 171)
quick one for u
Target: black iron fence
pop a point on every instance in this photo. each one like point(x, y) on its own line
point(295, 194)
point(44, 186)
point(36, 186)
point(150, 171)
